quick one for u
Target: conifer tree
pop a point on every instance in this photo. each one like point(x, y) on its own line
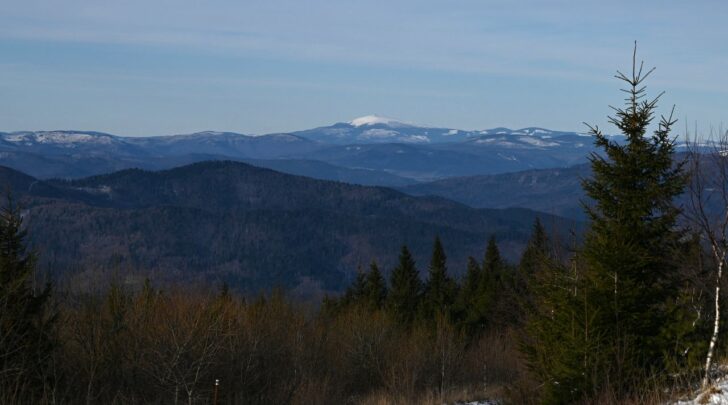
point(606, 321)
point(375, 288)
point(535, 252)
point(492, 262)
point(560, 342)
point(475, 299)
point(405, 292)
point(498, 290)
point(440, 289)
point(25, 319)
point(356, 292)
point(629, 251)
point(534, 260)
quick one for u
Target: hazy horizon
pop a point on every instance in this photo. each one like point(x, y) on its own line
point(161, 67)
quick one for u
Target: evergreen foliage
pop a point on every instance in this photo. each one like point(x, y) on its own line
point(603, 322)
point(375, 288)
point(406, 289)
point(536, 250)
point(630, 250)
point(25, 319)
point(492, 262)
point(356, 292)
point(499, 289)
point(475, 299)
point(561, 344)
point(440, 289)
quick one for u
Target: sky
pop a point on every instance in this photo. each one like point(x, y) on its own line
point(148, 67)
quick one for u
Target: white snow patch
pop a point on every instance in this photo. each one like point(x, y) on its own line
point(720, 397)
point(506, 157)
point(378, 133)
point(373, 120)
point(536, 141)
point(416, 139)
point(54, 137)
point(15, 138)
point(97, 190)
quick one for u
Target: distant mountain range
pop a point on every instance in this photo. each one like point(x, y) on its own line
point(250, 227)
point(375, 129)
point(387, 149)
point(556, 191)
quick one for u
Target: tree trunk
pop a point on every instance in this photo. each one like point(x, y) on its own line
point(716, 325)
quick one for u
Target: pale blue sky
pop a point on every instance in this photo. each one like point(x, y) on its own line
point(145, 67)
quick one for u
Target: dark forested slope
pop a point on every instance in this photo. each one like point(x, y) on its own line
point(250, 227)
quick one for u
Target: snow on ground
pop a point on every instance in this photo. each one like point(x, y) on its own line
point(717, 396)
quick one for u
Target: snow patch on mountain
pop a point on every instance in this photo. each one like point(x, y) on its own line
point(536, 141)
point(378, 133)
point(416, 139)
point(375, 120)
point(57, 137)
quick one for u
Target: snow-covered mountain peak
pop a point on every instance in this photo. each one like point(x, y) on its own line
point(375, 120)
point(58, 137)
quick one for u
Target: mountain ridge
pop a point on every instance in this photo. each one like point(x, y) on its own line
point(250, 227)
point(393, 152)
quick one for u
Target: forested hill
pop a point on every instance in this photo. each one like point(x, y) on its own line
point(250, 227)
point(557, 190)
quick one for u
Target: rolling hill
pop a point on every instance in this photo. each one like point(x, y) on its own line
point(247, 226)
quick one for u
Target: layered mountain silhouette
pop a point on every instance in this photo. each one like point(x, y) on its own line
point(392, 152)
point(250, 227)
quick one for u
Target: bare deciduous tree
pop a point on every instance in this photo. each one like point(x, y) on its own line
point(708, 213)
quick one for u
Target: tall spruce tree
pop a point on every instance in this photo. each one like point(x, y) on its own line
point(474, 300)
point(356, 292)
point(498, 290)
point(405, 292)
point(536, 257)
point(492, 262)
point(25, 318)
point(440, 289)
point(535, 252)
point(630, 249)
point(605, 321)
point(375, 288)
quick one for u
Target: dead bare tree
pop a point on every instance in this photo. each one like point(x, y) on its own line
point(708, 213)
